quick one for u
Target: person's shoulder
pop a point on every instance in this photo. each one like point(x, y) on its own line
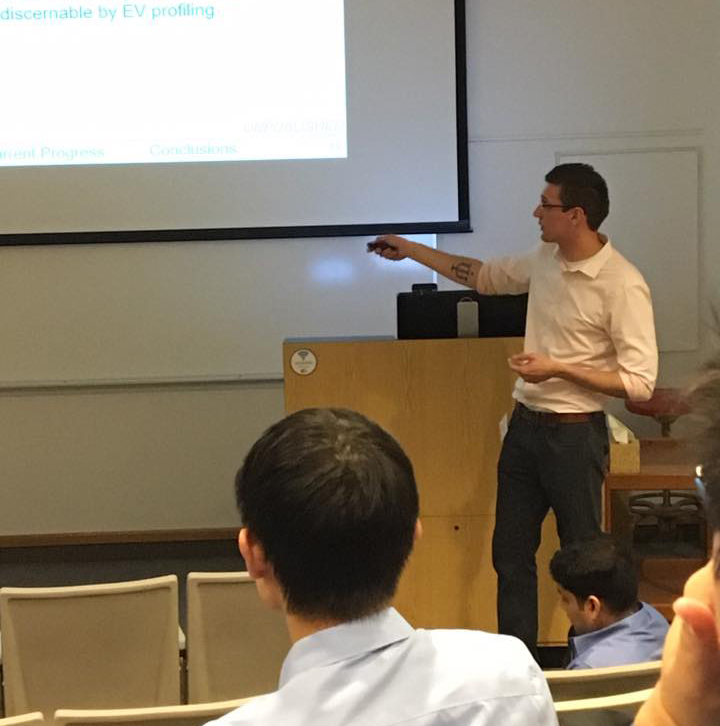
point(654, 615)
point(503, 643)
point(494, 675)
point(636, 638)
point(618, 264)
point(485, 658)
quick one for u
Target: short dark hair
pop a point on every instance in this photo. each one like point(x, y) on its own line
point(600, 567)
point(705, 403)
point(581, 186)
point(332, 498)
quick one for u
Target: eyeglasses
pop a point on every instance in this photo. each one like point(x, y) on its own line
point(547, 205)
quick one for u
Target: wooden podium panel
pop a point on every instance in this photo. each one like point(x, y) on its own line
point(443, 400)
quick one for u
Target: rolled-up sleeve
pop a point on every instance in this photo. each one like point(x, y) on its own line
point(632, 330)
point(505, 275)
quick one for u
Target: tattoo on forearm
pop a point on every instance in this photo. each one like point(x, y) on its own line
point(462, 271)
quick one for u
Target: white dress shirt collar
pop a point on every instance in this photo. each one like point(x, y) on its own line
point(590, 266)
point(344, 641)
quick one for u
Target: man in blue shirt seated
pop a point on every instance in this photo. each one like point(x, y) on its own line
point(330, 513)
point(598, 590)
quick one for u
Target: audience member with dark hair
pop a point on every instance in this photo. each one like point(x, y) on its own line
point(330, 514)
point(688, 692)
point(598, 590)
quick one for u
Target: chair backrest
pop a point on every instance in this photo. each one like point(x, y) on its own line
point(26, 719)
point(110, 645)
point(596, 682)
point(235, 645)
point(617, 710)
point(192, 715)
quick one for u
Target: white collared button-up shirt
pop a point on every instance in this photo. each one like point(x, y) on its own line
point(595, 312)
point(379, 671)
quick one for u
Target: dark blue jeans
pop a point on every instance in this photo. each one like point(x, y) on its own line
point(542, 465)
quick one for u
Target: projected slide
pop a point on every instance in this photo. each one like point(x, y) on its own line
point(116, 82)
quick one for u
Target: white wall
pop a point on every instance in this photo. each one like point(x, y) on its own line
point(559, 78)
point(544, 79)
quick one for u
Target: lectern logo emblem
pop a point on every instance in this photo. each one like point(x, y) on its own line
point(303, 362)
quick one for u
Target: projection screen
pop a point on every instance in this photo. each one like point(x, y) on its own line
point(167, 120)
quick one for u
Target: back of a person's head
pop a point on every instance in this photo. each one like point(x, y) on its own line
point(332, 499)
point(705, 400)
point(600, 567)
point(581, 186)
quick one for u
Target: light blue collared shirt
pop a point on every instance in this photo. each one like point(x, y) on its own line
point(638, 638)
point(380, 671)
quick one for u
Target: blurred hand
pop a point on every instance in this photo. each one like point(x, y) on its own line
point(687, 693)
point(390, 246)
point(534, 367)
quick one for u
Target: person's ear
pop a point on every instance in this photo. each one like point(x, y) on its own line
point(593, 607)
point(253, 553)
point(579, 216)
point(260, 570)
point(418, 531)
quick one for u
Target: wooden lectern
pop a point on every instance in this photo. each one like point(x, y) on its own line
point(445, 402)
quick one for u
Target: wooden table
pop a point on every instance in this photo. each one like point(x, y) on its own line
point(664, 464)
